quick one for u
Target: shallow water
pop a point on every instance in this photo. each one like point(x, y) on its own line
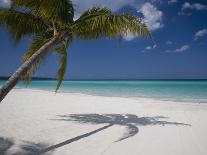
point(175, 90)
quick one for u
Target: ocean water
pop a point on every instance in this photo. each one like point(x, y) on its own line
point(174, 90)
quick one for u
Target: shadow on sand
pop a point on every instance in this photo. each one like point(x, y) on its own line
point(131, 122)
point(128, 120)
point(5, 144)
point(28, 148)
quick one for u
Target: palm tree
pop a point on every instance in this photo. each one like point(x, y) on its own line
point(51, 25)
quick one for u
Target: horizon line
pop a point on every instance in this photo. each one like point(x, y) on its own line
point(107, 79)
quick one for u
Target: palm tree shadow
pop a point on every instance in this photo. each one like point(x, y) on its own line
point(28, 148)
point(128, 120)
point(34, 149)
point(5, 144)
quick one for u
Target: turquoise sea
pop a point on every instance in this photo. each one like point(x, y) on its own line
point(175, 90)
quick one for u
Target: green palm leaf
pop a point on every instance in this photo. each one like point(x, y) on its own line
point(36, 44)
point(20, 24)
point(62, 69)
point(101, 22)
point(62, 50)
point(60, 11)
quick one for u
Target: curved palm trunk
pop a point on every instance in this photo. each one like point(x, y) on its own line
point(13, 80)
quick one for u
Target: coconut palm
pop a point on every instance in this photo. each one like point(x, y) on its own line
point(52, 28)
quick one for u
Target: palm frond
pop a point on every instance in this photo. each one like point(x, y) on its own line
point(101, 22)
point(62, 50)
point(93, 12)
point(36, 44)
point(60, 11)
point(20, 24)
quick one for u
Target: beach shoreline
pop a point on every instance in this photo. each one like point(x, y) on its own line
point(79, 124)
point(158, 99)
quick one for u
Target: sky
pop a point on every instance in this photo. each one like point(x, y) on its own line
point(178, 49)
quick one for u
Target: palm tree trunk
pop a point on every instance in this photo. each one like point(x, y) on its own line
point(13, 80)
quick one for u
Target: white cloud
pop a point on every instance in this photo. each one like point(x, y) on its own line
point(179, 50)
point(183, 48)
point(152, 15)
point(172, 1)
point(147, 9)
point(191, 6)
point(129, 37)
point(194, 6)
point(147, 48)
point(114, 5)
point(200, 33)
point(169, 42)
point(151, 47)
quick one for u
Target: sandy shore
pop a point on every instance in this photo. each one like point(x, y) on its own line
point(41, 122)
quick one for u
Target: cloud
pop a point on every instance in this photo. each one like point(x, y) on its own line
point(129, 37)
point(114, 5)
point(179, 50)
point(195, 6)
point(191, 6)
point(169, 42)
point(183, 48)
point(152, 16)
point(151, 47)
point(172, 1)
point(200, 33)
point(148, 48)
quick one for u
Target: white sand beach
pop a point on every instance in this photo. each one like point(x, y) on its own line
point(42, 122)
